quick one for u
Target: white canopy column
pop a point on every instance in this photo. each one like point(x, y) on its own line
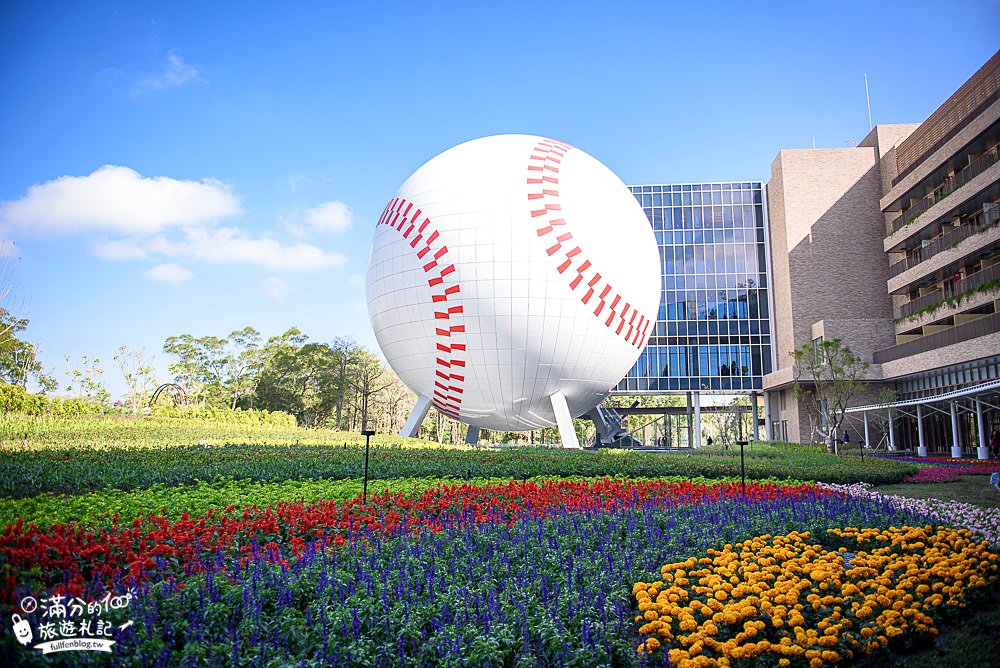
point(956, 444)
point(921, 444)
point(983, 451)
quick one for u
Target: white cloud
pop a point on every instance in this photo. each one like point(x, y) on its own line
point(296, 180)
point(144, 210)
point(229, 244)
point(226, 245)
point(330, 216)
point(275, 287)
point(175, 73)
point(169, 273)
point(119, 199)
point(119, 249)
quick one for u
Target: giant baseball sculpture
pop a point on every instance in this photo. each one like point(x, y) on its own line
point(512, 282)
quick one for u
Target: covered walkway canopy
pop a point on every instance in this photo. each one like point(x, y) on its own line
point(975, 399)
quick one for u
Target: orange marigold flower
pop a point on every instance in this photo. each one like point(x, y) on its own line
point(649, 646)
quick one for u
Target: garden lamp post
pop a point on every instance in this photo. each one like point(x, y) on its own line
point(743, 468)
point(368, 433)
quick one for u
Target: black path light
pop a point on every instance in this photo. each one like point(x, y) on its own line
point(367, 433)
point(741, 443)
point(743, 468)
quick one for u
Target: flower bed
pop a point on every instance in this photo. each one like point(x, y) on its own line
point(989, 465)
point(984, 522)
point(784, 598)
point(76, 554)
point(951, 473)
point(516, 574)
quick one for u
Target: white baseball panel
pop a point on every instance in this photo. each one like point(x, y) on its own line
point(507, 269)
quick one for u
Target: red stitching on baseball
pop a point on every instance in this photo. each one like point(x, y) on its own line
point(550, 153)
point(447, 398)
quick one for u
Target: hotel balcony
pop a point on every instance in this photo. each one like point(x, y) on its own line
point(970, 292)
point(949, 195)
point(977, 337)
point(963, 249)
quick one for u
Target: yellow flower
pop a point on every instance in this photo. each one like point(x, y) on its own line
point(649, 646)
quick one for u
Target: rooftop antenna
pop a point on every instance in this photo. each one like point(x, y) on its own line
point(869, 100)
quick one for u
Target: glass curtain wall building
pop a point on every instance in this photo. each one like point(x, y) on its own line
point(712, 331)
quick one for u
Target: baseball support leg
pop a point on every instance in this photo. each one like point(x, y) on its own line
point(565, 421)
point(417, 416)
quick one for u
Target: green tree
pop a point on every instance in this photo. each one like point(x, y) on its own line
point(137, 370)
point(18, 358)
point(191, 370)
point(368, 379)
point(299, 378)
point(274, 382)
point(217, 370)
point(347, 351)
point(85, 380)
point(827, 375)
point(243, 364)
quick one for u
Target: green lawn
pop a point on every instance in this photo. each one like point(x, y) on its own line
point(974, 489)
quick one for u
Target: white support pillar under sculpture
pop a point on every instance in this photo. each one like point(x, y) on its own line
point(868, 442)
point(697, 419)
point(417, 416)
point(892, 434)
point(767, 417)
point(956, 444)
point(983, 451)
point(565, 421)
point(472, 435)
point(921, 443)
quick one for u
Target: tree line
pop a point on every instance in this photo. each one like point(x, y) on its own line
point(338, 384)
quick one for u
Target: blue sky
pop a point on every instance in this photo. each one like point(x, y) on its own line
point(193, 167)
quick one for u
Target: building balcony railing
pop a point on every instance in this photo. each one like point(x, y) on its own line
point(989, 324)
point(982, 221)
point(967, 285)
point(922, 302)
point(978, 166)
